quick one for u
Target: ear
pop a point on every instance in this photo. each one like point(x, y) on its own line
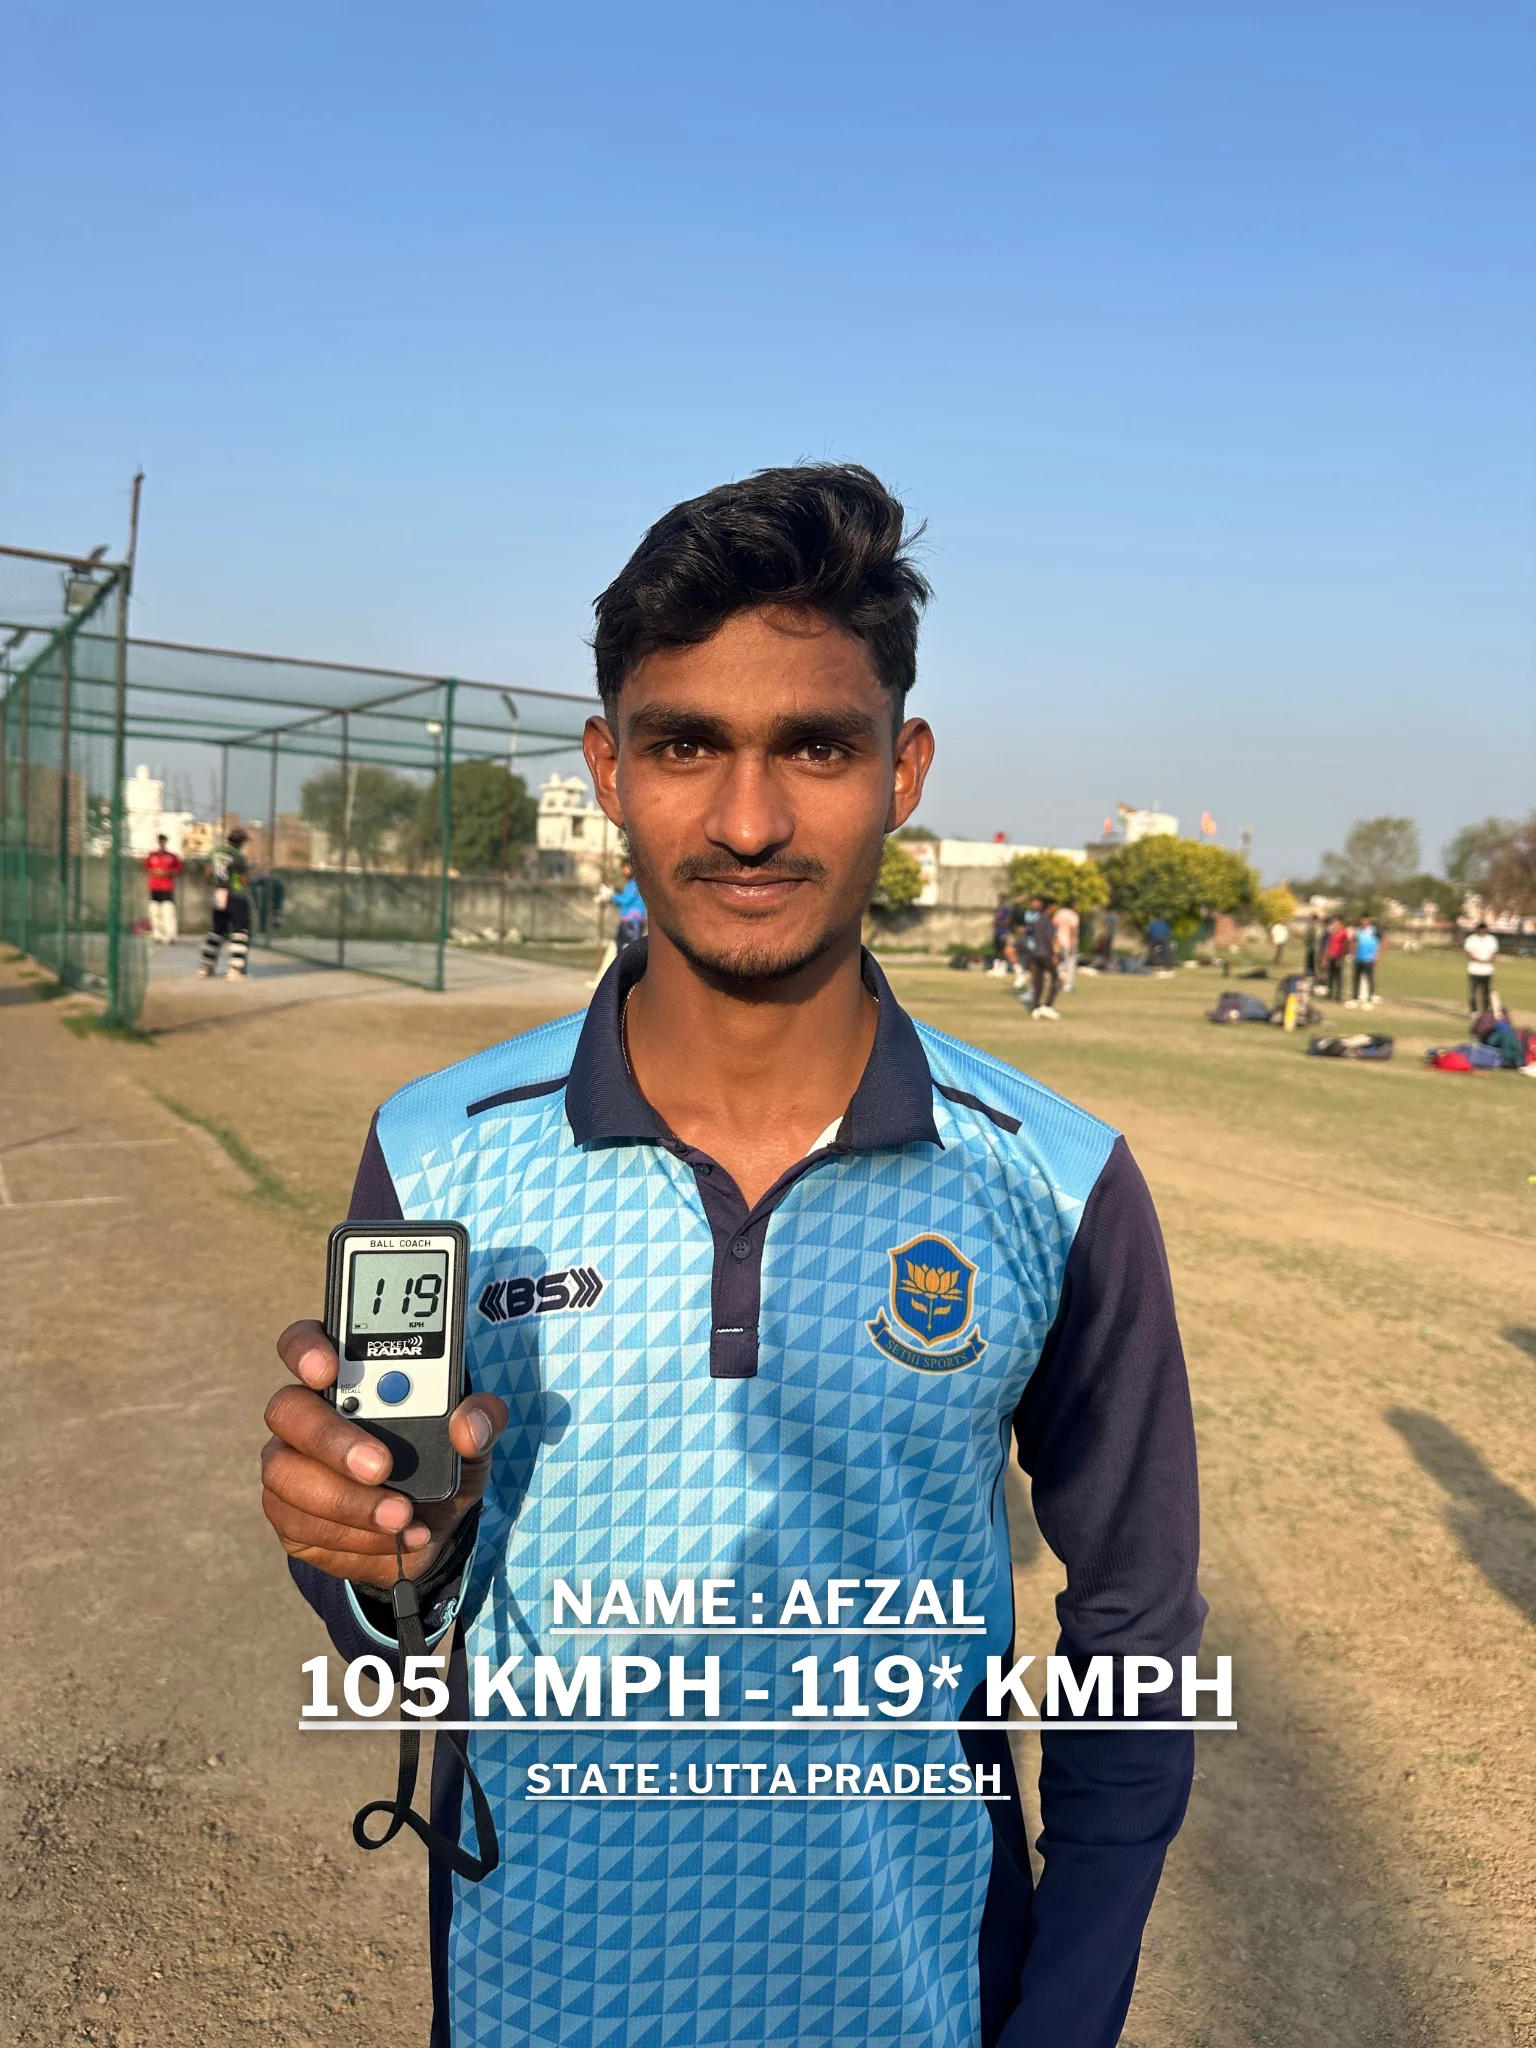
point(914, 757)
point(601, 752)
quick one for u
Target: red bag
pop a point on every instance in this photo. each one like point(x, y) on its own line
point(1450, 1061)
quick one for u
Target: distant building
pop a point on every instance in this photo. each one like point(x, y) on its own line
point(576, 841)
point(146, 818)
point(970, 874)
point(1128, 825)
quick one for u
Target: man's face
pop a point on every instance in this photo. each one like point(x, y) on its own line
point(755, 777)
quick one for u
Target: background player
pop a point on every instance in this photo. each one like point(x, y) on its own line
point(230, 873)
point(162, 870)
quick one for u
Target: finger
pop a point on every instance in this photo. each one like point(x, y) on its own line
point(308, 1353)
point(315, 1489)
point(475, 1425)
point(312, 1426)
point(299, 1529)
point(379, 1572)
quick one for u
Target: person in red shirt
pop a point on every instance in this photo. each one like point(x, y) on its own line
point(162, 869)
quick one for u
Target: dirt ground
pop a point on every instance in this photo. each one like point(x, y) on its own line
point(1352, 1250)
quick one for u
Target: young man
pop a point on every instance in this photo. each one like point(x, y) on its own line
point(1160, 944)
point(1481, 947)
point(1367, 951)
point(1002, 930)
point(1044, 981)
point(843, 1259)
point(1068, 929)
point(1021, 924)
point(629, 903)
point(1335, 947)
point(162, 869)
point(230, 873)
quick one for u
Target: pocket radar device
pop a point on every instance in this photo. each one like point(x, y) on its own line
point(394, 1309)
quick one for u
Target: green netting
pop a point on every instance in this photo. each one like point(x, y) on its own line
point(364, 791)
point(69, 894)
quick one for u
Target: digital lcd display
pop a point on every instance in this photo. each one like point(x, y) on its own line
point(397, 1305)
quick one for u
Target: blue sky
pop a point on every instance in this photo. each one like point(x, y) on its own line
point(1200, 336)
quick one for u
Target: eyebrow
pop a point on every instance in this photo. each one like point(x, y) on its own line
point(674, 722)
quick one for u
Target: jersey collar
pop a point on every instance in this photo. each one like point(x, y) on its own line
point(892, 1105)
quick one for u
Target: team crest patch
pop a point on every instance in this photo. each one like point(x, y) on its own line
point(932, 1289)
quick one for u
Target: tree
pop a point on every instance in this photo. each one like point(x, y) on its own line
point(1080, 883)
point(1379, 856)
point(1184, 880)
point(1511, 882)
point(1447, 897)
point(492, 814)
point(365, 806)
point(917, 832)
point(1468, 855)
point(901, 879)
point(1276, 906)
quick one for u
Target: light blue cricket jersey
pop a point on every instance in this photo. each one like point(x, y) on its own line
point(821, 1388)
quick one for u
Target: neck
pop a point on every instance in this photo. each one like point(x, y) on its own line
point(750, 1072)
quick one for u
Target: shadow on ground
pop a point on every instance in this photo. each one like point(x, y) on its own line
point(1494, 1523)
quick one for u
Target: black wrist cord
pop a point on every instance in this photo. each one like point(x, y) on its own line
point(413, 1643)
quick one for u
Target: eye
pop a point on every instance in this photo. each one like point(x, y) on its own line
point(681, 750)
point(822, 752)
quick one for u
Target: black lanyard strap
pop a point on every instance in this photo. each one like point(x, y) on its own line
point(413, 1643)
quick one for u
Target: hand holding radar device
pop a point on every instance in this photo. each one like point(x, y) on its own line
point(394, 1309)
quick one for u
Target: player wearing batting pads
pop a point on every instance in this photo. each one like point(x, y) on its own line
point(230, 873)
point(765, 1276)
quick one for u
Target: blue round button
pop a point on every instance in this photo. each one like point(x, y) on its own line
point(393, 1386)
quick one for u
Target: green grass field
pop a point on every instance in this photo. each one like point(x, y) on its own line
point(1453, 1146)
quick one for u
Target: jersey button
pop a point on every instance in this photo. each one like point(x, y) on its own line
point(742, 1248)
point(393, 1387)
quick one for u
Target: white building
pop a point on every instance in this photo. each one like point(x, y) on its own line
point(1134, 825)
point(576, 841)
point(970, 873)
point(145, 815)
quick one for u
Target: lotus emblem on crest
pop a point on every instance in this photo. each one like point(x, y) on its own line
point(931, 1289)
point(931, 1285)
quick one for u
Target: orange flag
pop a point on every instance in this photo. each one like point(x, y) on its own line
point(1207, 823)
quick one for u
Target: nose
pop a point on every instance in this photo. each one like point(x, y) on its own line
point(750, 813)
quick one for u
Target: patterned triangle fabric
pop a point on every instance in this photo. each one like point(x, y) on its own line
point(860, 1451)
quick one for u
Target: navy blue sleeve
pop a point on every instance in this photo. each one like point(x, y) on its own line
point(1106, 1435)
point(374, 1200)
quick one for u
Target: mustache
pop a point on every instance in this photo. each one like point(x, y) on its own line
point(721, 867)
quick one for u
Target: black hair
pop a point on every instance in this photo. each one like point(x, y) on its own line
point(823, 537)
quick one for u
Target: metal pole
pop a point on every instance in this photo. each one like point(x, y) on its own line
point(25, 820)
point(346, 833)
point(268, 906)
point(66, 677)
point(5, 809)
point(446, 798)
point(223, 792)
point(115, 1006)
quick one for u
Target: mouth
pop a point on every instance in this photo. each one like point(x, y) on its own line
point(759, 893)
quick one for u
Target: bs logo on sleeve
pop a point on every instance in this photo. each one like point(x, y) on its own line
point(932, 1291)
